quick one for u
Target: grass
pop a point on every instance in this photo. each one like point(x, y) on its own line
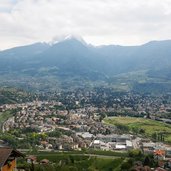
point(91, 164)
point(78, 161)
point(49, 155)
point(54, 157)
point(149, 126)
point(107, 164)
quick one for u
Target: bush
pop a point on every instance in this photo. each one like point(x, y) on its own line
point(126, 165)
point(135, 153)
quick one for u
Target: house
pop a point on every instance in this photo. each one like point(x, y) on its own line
point(31, 159)
point(148, 147)
point(168, 152)
point(85, 135)
point(97, 144)
point(8, 158)
point(120, 147)
point(121, 139)
point(159, 154)
point(44, 161)
point(129, 144)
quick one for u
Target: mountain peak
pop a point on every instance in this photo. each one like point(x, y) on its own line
point(68, 38)
point(74, 37)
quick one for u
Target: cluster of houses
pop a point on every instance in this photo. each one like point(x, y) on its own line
point(86, 130)
point(111, 101)
point(159, 150)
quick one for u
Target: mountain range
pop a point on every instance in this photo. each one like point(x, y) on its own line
point(73, 63)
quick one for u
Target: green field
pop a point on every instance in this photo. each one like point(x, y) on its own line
point(78, 161)
point(89, 164)
point(85, 161)
point(149, 127)
point(54, 155)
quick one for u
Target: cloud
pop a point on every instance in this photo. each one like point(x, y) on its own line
point(124, 22)
point(5, 6)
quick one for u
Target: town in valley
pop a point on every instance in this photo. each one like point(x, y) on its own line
point(76, 120)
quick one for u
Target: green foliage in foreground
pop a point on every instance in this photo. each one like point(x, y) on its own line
point(80, 163)
point(75, 161)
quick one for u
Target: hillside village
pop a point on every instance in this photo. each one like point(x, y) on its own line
point(55, 125)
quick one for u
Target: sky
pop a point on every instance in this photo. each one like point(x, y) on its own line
point(123, 22)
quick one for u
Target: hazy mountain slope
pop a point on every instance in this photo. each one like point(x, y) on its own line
point(72, 59)
point(13, 59)
point(65, 59)
point(153, 55)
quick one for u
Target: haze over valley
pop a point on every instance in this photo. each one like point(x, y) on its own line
point(85, 85)
point(73, 63)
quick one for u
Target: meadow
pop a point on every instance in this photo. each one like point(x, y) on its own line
point(78, 161)
point(146, 127)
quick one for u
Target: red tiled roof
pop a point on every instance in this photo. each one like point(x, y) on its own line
point(159, 152)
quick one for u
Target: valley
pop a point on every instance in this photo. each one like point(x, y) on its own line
point(72, 64)
point(73, 105)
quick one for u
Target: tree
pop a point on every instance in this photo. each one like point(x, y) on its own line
point(135, 153)
point(154, 136)
point(126, 165)
point(142, 131)
point(147, 161)
point(102, 116)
